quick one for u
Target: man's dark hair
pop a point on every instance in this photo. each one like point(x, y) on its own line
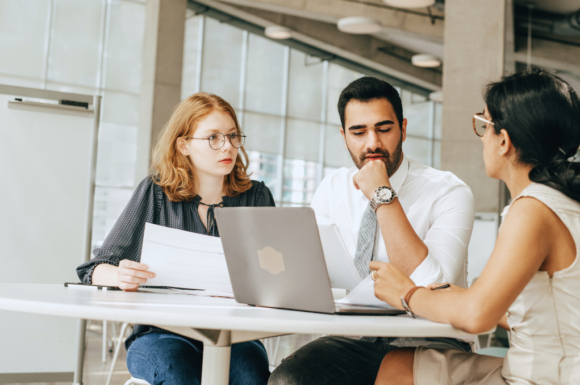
point(367, 89)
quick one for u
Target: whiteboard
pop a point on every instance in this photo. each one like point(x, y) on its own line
point(44, 192)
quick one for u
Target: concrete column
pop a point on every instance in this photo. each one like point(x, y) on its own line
point(161, 74)
point(474, 55)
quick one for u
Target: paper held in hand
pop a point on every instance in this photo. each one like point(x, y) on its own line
point(364, 295)
point(184, 259)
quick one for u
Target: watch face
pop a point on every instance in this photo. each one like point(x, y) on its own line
point(384, 194)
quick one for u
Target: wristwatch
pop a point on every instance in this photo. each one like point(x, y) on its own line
point(383, 196)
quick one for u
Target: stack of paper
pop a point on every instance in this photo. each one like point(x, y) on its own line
point(184, 259)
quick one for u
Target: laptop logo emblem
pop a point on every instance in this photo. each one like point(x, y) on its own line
point(271, 260)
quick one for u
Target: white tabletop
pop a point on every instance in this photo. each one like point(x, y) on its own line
point(206, 313)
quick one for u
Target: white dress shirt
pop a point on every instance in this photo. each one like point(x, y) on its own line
point(438, 205)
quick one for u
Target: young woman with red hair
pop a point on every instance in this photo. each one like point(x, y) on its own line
point(199, 163)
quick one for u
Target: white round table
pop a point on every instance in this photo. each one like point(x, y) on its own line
point(217, 322)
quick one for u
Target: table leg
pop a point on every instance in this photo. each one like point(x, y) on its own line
point(78, 378)
point(216, 359)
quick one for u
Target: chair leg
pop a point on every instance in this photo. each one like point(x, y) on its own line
point(117, 348)
point(104, 353)
point(276, 346)
point(113, 346)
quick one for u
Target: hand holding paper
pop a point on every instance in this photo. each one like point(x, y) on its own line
point(184, 259)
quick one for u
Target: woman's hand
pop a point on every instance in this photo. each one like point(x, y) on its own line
point(390, 283)
point(131, 274)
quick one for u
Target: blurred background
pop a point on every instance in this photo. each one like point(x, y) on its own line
point(282, 66)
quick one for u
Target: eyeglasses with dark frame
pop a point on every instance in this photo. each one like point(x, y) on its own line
point(217, 140)
point(480, 116)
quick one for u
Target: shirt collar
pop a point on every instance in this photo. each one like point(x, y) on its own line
point(400, 175)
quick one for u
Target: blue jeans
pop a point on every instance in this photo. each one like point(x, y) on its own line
point(170, 359)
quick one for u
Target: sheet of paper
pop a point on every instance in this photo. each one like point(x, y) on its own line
point(364, 295)
point(184, 259)
point(205, 293)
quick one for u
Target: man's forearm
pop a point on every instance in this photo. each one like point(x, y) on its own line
point(404, 247)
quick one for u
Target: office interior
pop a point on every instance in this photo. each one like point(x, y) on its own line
point(282, 66)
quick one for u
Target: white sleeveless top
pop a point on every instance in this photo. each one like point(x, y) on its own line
point(545, 318)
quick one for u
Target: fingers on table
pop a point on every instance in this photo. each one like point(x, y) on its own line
point(129, 286)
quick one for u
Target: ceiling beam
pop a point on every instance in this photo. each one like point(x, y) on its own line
point(415, 23)
point(357, 52)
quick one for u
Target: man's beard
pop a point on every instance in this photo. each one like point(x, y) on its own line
point(391, 161)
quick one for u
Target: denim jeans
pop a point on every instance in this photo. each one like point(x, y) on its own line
point(345, 361)
point(170, 359)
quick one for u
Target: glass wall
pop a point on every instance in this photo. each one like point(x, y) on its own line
point(286, 100)
point(89, 47)
point(286, 103)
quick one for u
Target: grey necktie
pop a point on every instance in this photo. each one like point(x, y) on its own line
point(364, 249)
point(366, 242)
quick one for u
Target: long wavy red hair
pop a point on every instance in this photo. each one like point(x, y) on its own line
point(175, 172)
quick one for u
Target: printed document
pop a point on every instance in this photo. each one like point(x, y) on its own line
point(183, 259)
point(364, 295)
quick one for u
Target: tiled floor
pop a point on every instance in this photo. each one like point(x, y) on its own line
point(95, 372)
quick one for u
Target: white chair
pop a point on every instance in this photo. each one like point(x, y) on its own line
point(495, 352)
point(481, 246)
point(108, 343)
point(136, 381)
point(117, 348)
point(272, 344)
point(132, 380)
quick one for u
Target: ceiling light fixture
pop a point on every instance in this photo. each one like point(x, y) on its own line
point(409, 3)
point(425, 60)
point(278, 32)
point(358, 25)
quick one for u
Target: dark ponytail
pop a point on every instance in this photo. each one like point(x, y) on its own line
point(541, 114)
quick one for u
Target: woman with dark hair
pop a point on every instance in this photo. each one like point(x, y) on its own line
point(530, 286)
point(199, 163)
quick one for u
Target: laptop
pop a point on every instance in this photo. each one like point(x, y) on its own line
point(275, 259)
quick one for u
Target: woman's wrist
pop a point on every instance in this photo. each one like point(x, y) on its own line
point(105, 274)
point(406, 299)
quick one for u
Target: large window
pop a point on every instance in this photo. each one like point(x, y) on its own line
point(285, 100)
point(286, 103)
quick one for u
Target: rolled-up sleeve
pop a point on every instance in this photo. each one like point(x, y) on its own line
point(448, 239)
point(126, 237)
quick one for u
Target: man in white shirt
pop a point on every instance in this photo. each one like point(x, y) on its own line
point(390, 209)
